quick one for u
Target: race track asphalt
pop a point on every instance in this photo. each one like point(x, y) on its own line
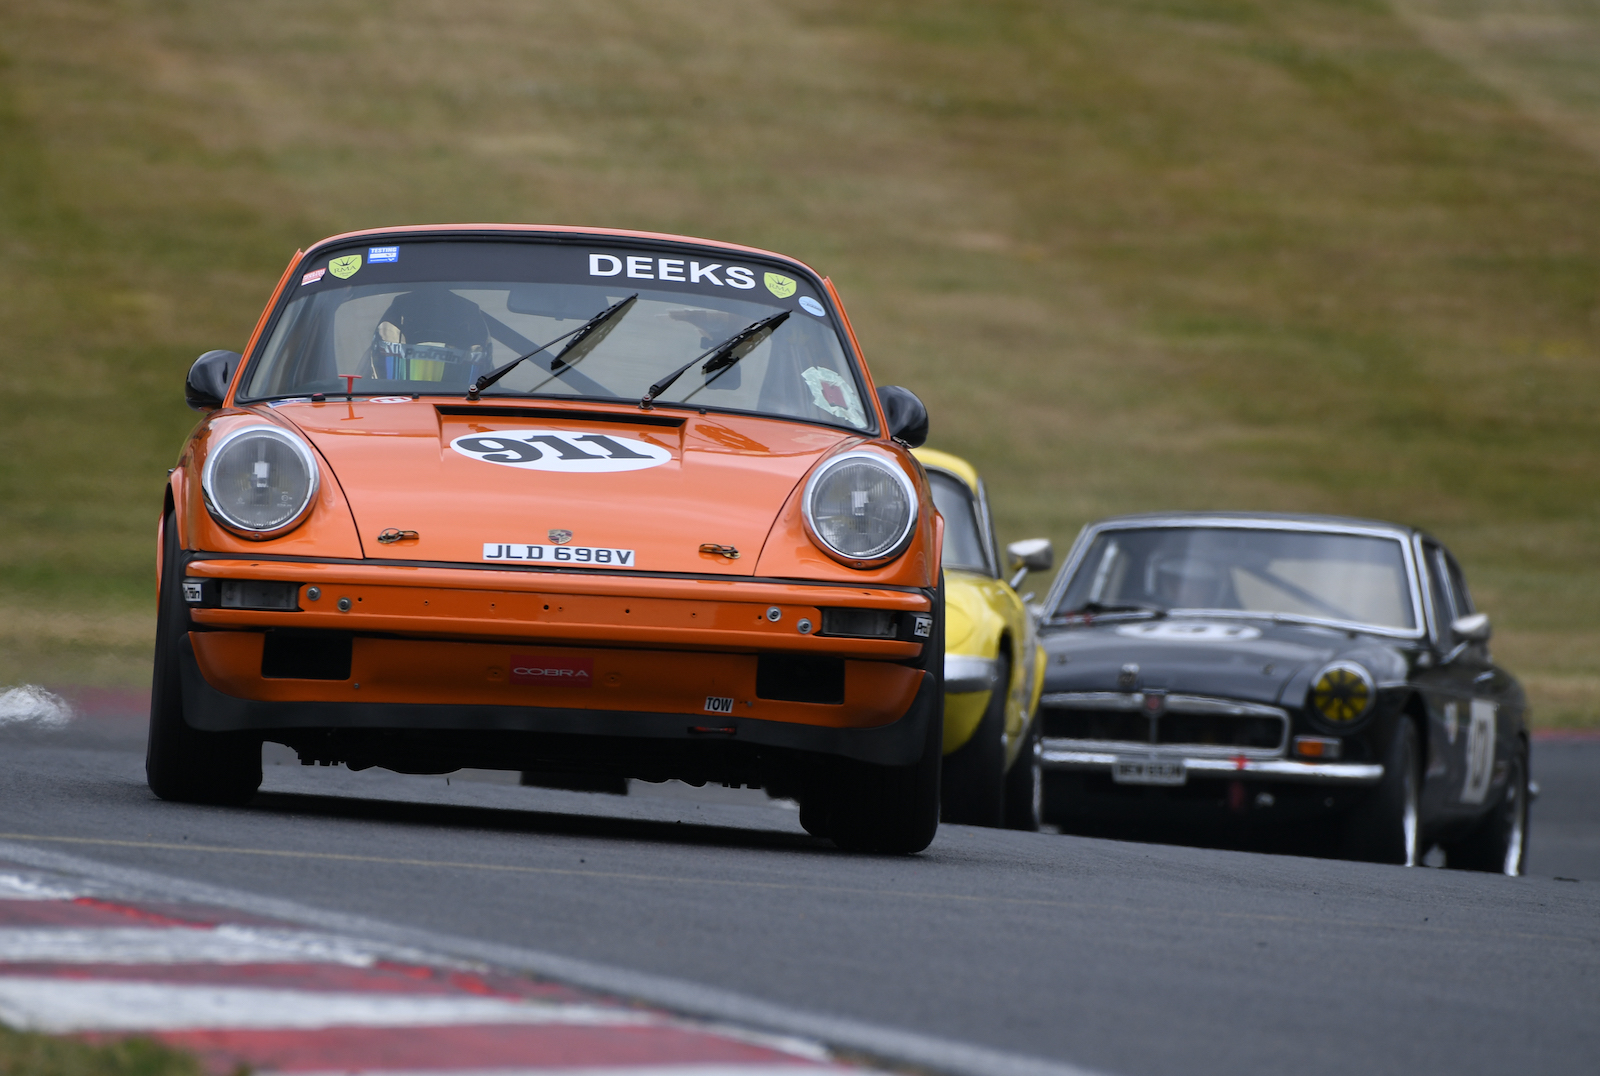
point(1117, 957)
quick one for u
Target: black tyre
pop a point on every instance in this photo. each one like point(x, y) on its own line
point(894, 809)
point(972, 788)
point(1025, 784)
point(1500, 841)
point(1386, 828)
point(182, 763)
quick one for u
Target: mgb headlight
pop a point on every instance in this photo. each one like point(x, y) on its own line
point(1341, 695)
point(259, 481)
point(861, 508)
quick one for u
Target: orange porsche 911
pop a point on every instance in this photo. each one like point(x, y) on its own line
point(573, 501)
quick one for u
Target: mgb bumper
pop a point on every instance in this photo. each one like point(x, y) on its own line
point(1065, 755)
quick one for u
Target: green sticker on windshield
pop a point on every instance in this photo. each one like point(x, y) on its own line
point(781, 286)
point(346, 266)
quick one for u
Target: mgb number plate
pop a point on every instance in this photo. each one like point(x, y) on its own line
point(571, 556)
point(1149, 771)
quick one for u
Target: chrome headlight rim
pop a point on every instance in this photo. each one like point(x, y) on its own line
point(1350, 724)
point(891, 466)
point(297, 444)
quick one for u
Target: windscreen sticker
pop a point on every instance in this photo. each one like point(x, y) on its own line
point(390, 399)
point(833, 392)
point(345, 267)
point(781, 286)
point(569, 556)
point(640, 267)
point(382, 254)
point(1188, 631)
point(811, 306)
point(561, 450)
point(312, 277)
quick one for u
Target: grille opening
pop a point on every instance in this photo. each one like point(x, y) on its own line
point(859, 623)
point(1133, 726)
point(786, 678)
point(1125, 725)
point(259, 594)
point(306, 655)
point(1264, 732)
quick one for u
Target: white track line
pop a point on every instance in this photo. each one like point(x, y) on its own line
point(226, 944)
point(689, 1069)
point(927, 1051)
point(61, 1005)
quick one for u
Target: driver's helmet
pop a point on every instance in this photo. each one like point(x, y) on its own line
point(1185, 582)
point(430, 335)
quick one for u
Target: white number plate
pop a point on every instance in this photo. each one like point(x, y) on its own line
point(1148, 771)
point(575, 556)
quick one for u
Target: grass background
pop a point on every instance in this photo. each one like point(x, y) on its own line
point(1323, 255)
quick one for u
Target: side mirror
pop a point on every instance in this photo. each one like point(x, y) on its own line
point(209, 379)
point(1029, 555)
point(1472, 629)
point(908, 418)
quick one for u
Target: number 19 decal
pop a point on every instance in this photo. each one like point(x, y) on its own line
point(561, 450)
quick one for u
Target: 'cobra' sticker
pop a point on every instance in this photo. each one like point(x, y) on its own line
point(1184, 631)
point(551, 671)
point(833, 392)
point(345, 267)
point(781, 286)
point(561, 450)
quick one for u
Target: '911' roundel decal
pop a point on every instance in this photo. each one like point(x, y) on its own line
point(561, 450)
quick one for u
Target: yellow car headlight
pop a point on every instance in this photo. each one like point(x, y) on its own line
point(1341, 694)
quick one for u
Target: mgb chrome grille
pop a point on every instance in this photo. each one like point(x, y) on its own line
point(1198, 724)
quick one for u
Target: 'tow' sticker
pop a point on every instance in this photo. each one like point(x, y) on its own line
point(561, 450)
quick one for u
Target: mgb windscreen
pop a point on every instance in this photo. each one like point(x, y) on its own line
point(1342, 578)
point(435, 318)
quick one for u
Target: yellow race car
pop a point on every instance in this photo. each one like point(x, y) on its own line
point(993, 664)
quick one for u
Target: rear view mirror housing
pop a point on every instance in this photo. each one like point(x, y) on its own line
point(1029, 555)
point(907, 416)
point(1472, 629)
point(207, 384)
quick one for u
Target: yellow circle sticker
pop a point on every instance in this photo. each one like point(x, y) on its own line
point(781, 286)
point(347, 266)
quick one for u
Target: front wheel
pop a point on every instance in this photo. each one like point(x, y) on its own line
point(1385, 828)
point(182, 763)
point(973, 788)
point(1500, 841)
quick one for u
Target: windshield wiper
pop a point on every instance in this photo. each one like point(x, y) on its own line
point(587, 336)
point(721, 357)
point(1119, 607)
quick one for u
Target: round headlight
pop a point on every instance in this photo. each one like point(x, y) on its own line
point(861, 508)
point(259, 480)
point(1341, 694)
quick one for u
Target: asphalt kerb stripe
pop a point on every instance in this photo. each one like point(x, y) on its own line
point(890, 1045)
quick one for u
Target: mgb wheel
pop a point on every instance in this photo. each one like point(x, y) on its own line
point(1385, 828)
point(1500, 841)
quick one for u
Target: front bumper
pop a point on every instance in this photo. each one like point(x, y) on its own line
point(1071, 756)
point(440, 652)
point(559, 608)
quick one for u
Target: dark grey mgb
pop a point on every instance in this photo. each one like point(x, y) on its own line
point(1329, 677)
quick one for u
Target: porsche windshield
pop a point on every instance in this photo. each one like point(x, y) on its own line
point(431, 318)
point(1347, 578)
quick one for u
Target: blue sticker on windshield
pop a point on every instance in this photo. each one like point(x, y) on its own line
point(811, 306)
point(382, 254)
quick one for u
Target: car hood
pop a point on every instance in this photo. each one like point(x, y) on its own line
point(1254, 661)
point(660, 484)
